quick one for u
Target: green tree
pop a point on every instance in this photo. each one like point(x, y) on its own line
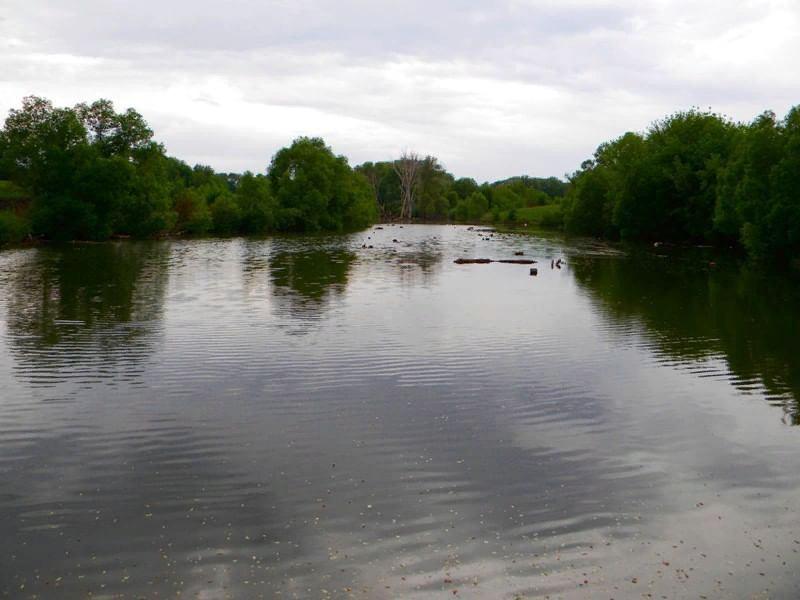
point(225, 215)
point(317, 190)
point(92, 172)
point(384, 185)
point(464, 187)
point(588, 208)
point(192, 213)
point(42, 145)
point(432, 187)
point(112, 133)
point(473, 208)
point(257, 206)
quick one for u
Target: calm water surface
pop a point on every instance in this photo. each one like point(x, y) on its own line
point(304, 418)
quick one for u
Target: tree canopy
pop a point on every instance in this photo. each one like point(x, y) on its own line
point(317, 190)
point(696, 176)
point(92, 173)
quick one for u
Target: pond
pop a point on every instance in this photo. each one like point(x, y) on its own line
point(304, 417)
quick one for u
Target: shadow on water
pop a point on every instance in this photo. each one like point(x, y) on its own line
point(694, 311)
point(90, 309)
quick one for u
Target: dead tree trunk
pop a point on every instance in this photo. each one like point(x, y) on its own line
point(407, 169)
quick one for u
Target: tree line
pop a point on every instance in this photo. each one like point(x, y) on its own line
point(89, 172)
point(92, 173)
point(696, 176)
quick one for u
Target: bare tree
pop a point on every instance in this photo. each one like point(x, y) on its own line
point(407, 168)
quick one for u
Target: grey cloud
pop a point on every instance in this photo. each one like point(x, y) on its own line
point(492, 88)
point(439, 30)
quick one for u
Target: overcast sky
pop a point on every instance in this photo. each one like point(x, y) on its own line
point(492, 88)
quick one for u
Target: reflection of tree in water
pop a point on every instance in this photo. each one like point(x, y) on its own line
point(255, 259)
point(748, 317)
point(304, 281)
point(85, 308)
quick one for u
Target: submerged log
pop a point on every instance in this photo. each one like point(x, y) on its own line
point(517, 261)
point(473, 261)
point(486, 261)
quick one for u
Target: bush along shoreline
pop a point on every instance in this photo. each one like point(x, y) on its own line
point(90, 173)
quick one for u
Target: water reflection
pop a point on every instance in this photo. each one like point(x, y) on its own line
point(420, 262)
point(694, 312)
point(437, 428)
point(307, 279)
point(89, 308)
point(255, 255)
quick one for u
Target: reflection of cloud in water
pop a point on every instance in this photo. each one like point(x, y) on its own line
point(176, 514)
point(255, 259)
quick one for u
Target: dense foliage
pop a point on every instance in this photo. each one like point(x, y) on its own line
point(90, 173)
point(317, 190)
point(696, 177)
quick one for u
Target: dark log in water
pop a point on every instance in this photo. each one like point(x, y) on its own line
point(486, 261)
point(517, 261)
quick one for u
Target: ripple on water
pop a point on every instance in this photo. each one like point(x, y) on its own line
point(303, 417)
